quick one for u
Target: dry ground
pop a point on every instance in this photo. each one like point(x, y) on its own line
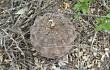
point(90, 51)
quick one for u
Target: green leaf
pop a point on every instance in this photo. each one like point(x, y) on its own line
point(108, 15)
point(106, 26)
point(77, 6)
point(99, 28)
point(98, 21)
point(85, 10)
point(84, 7)
point(76, 16)
point(109, 20)
point(90, 1)
point(103, 20)
point(81, 0)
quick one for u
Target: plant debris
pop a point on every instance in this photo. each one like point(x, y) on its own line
point(90, 49)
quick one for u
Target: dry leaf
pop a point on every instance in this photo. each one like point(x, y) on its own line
point(22, 11)
point(66, 5)
point(108, 7)
point(80, 54)
point(33, 49)
point(107, 52)
point(61, 63)
point(102, 58)
point(106, 49)
point(99, 64)
point(1, 55)
point(85, 58)
point(90, 65)
point(55, 68)
point(91, 11)
point(37, 63)
point(53, 24)
point(8, 60)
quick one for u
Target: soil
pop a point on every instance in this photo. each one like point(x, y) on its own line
point(90, 50)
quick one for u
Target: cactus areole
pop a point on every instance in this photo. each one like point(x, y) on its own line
point(52, 35)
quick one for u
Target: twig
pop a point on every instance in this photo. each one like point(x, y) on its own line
point(23, 37)
point(14, 42)
point(17, 45)
point(94, 38)
point(97, 16)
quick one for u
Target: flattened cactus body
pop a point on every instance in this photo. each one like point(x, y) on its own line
point(52, 34)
